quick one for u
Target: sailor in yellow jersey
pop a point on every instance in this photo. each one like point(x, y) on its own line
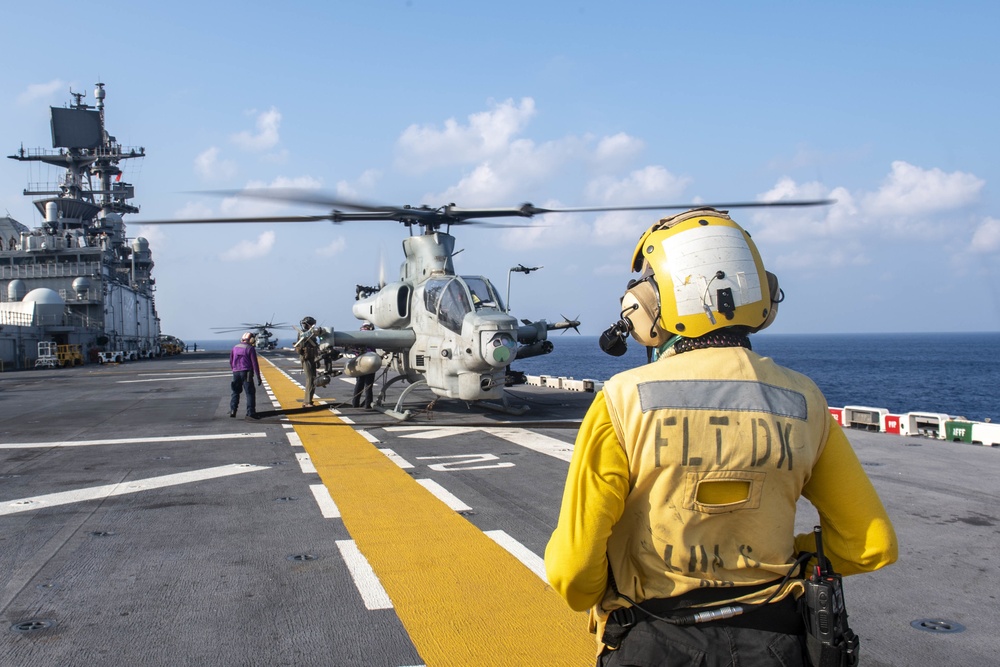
point(684, 479)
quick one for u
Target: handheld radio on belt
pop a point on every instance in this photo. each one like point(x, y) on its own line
point(830, 642)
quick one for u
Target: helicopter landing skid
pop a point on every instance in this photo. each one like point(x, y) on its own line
point(506, 408)
point(397, 412)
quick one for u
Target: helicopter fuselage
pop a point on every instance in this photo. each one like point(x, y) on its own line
point(460, 340)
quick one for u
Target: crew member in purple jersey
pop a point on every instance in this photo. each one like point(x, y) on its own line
point(243, 361)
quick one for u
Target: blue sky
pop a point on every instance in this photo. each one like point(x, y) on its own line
point(888, 107)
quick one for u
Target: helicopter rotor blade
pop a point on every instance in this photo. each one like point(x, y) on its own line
point(297, 196)
point(531, 209)
point(270, 219)
point(433, 218)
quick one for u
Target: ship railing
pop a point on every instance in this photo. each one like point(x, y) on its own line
point(71, 295)
point(53, 320)
point(53, 270)
point(15, 319)
point(82, 321)
point(115, 150)
point(44, 187)
point(112, 151)
point(35, 152)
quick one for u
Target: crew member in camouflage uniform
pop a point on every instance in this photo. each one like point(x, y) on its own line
point(308, 349)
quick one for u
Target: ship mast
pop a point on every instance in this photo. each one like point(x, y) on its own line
point(82, 146)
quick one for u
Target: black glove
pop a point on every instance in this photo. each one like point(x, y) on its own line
point(259, 382)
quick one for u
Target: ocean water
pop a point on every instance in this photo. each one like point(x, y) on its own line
point(955, 374)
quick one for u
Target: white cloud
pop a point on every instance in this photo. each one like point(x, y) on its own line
point(617, 148)
point(487, 134)
point(266, 137)
point(912, 205)
point(622, 227)
point(208, 165)
point(522, 168)
point(287, 183)
point(153, 233)
point(496, 183)
point(246, 250)
point(639, 187)
point(840, 220)
point(250, 207)
point(40, 91)
point(546, 231)
point(195, 210)
point(363, 185)
point(337, 246)
point(986, 238)
point(504, 166)
point(912, 191)
point(483, 185)
point(786, 189)
point(652, 185)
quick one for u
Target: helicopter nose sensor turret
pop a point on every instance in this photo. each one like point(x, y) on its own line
point(499, 350)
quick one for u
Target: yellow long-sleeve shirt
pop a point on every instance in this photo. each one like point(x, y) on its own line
point(858, 535)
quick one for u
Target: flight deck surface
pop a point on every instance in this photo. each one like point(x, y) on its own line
point(141, 525)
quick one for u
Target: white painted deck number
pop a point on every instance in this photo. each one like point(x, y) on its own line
point(465, 461)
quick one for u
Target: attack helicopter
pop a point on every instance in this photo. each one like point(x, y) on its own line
point(451, 333)
point(266, 340)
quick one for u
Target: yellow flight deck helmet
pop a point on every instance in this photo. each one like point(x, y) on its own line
point(701, 272)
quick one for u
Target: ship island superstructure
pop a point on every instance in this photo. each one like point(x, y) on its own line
point(77, 280)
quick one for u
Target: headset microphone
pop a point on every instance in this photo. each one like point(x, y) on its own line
point(613, 340)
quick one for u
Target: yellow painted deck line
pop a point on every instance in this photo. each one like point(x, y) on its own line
point(462, 598)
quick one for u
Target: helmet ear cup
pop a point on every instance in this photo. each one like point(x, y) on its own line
point(777, 296)
point(641, 307)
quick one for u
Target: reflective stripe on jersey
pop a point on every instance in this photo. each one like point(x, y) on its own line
point(728, 395)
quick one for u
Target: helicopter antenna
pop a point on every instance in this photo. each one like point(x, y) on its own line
point(520, 268)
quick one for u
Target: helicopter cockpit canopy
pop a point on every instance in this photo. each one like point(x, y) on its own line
point(484, 295)
point(453, 297)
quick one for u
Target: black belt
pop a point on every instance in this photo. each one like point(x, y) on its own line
point(699, 597)
point(782, 616)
